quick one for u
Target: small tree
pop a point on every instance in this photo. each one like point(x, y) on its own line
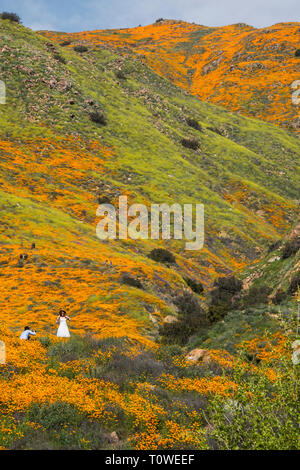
point(196, 286)
point(193, 123)
point(190, 143)
point(291, 247)
point(10, 16)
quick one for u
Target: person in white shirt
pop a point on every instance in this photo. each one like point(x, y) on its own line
point(27, 333)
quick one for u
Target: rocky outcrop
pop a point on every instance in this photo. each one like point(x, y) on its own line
point(199, 355)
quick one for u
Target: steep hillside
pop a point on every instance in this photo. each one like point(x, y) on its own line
point(270, 288)
point(244, 69)
point(81, 127)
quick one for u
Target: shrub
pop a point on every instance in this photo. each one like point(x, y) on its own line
point(257, 295)
point(98, 117)
point(279, 297)
point(193, 123)
point(75, 348)
point(218, 311)
point(65, 43)
point(297, 53)
point(80, 49)
point(159, 20)
point(196, 286)
point(295, 283)
point(291, 247)
point(162, 255)
point(190, 143)
point(104, 200)
point(10, 16)
point(62, 427)
point(176, 332)
point(264, 421)
point(223, 296)
point(230, 284)
point(45, 341)
point(59, 58)
point(142, 365)
point(131, 281)
point(274, 246)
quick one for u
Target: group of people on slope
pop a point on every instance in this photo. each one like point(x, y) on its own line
point(62, 331)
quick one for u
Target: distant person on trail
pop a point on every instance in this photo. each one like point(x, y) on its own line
point(27, 333)
point(63, 330)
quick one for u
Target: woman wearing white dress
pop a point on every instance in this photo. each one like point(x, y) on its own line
point(63, 330)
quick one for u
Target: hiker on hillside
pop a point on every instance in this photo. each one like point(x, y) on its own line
point(27, 333)
point(63, 330)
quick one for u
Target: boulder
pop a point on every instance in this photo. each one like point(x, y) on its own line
point(199, 355)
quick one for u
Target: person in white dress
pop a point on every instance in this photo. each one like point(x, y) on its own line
point(63, 330)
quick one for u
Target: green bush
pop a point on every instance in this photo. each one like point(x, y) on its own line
point(5, 15)
point(62, 427)
point(131, 281)
point(54, 416)
point(65, 43)
point(191, 319)
point(193, 123)
point(297, 53)
point(162, 255)
point(257, 295)
point(273, 246)
point(121, 75)
point(59, 58)
point(98, 117)
point(75, 348)
point(196, 286)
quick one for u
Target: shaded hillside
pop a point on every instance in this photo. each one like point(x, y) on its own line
point(56, 165)
point(244, 69)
